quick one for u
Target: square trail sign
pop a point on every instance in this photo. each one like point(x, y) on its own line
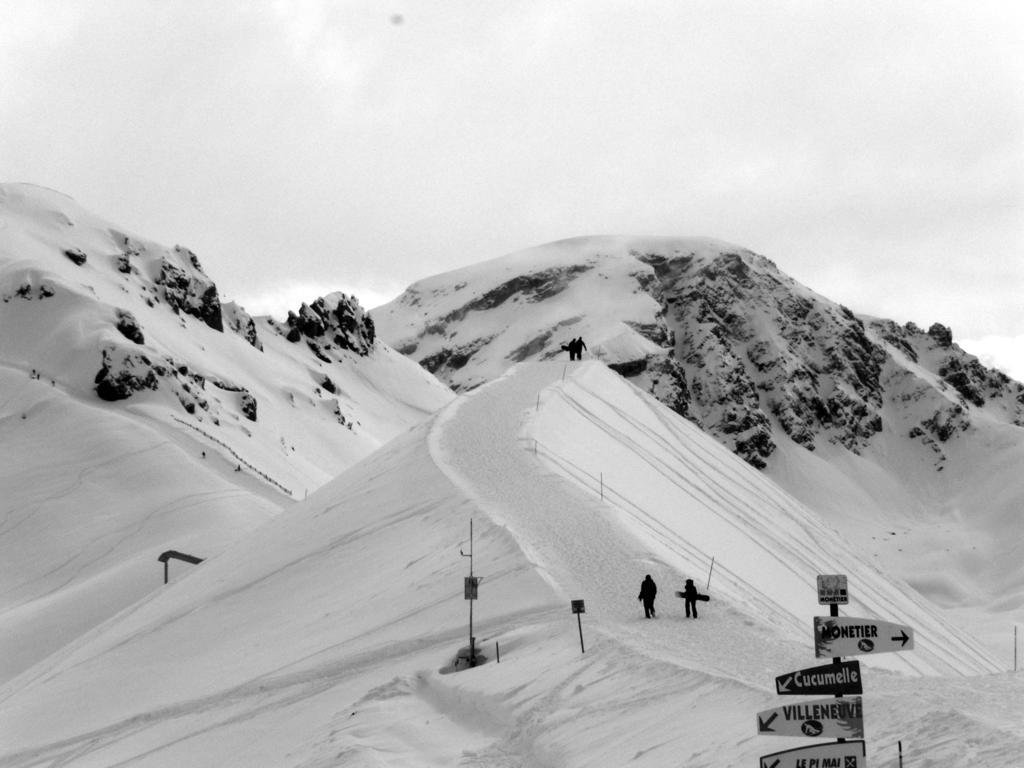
point(832, 590)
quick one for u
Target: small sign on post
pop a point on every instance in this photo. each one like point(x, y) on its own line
point(832, 590)
point(471, 585)
point(578, 607)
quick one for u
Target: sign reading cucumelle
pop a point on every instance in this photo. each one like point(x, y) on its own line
point(830, 679)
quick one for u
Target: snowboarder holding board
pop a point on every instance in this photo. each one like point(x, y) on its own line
point(648, 590)
point(691, 596)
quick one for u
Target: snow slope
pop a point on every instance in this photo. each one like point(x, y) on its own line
point(224, 421)
point(326, 636)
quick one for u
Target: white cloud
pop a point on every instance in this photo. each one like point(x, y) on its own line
point(291, 295)
point(1003, 352)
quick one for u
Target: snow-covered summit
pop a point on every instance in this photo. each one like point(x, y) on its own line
point(715, 331)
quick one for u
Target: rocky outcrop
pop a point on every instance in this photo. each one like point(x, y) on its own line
point(77, 256)
point(120, 376)
point(128, 326)
point(336, 321)
point(192, 294)
point(241, 322)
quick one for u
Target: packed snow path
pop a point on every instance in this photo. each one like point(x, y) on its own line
point(575, 540)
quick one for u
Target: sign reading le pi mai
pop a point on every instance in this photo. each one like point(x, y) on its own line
point(840, 679)
point(841, 754)
point(847, 636)
point(825, 718)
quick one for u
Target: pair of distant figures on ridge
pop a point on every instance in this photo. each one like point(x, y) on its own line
point(649, 590)
point(575, 348)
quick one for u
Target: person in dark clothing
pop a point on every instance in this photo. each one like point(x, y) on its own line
point(580, 346)
point(648, 590)
point(690, 596)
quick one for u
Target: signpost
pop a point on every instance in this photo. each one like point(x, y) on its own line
point(830, 679)
point(834, 718)
point(840, 754)
point(832, 590)
point(838, 717)
point(578, 607)
point(847, 636)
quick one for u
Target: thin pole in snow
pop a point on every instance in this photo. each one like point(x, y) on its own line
point(901, 753)
point(602, 485)
point(709, 572)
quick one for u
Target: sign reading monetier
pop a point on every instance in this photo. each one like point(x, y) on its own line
point(826, 718)
point(841, 754)
point(830, 679)
point(832, 590)
point(846, 636)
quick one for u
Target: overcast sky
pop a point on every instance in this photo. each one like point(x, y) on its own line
point(873, 150)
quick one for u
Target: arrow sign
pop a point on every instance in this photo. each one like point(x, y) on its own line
point(825, 718)
point(843, 754)
point(836, 679)
point(846, 636)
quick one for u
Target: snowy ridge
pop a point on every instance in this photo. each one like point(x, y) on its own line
point(322, 638)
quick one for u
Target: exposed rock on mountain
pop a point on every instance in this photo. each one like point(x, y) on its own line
point(332, 321)
point(194, 294)
point(716, 332)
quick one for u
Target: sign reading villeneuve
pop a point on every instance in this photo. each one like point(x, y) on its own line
point(825, 718)
point(842, 754)
point(831, 679)
point(847, 636)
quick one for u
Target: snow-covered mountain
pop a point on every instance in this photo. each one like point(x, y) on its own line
point(329, 635)
point(326, 630)
point(897, 436)
point(716, 332)
point(140, 413)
